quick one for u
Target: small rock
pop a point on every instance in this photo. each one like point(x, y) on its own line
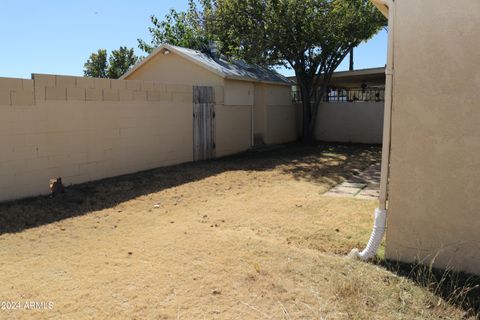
point(216, 291)
point(156, 206)
point(130, 253)
point(337, 230)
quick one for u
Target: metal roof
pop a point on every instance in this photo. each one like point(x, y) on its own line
point(228, 69)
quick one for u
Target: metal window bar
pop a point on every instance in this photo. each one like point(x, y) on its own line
point(355, 95)
point(347, 95)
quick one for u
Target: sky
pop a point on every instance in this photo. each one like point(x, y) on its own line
point(58, 36)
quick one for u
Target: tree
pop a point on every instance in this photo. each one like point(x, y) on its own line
point(310, 36)
point(99, 65)
point(120, 62)
point(191, 29)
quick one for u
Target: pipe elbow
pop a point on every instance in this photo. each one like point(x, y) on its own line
point(375, 238)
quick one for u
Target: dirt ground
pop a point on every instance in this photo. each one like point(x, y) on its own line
point(245, 237)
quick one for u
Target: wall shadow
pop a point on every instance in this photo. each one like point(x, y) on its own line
point(319, 163)
point(456, 288)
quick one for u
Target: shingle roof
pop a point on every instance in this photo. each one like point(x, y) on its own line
point(228, 69)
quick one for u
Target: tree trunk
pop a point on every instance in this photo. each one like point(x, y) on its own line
point(307, 136)
point(311, 97)
point(351, 60)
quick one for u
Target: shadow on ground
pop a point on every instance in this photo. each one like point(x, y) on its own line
point(456, 288)
point(318, 163)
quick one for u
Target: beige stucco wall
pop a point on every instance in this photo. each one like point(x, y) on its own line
point(173, 68)
point(86, 129)
point(356, 122)
point(434, 204)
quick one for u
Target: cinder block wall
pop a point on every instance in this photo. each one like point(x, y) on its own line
point(359, 122)
point(281, 115)
point(84, 129)
point(233, 117)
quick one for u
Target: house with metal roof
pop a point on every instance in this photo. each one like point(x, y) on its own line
point(253, 101)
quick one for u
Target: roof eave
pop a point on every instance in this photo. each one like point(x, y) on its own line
point(202, 65)
point(141, 63)
point(381, 6)
point(358, 72)
point(171, 49)
point(281, 83)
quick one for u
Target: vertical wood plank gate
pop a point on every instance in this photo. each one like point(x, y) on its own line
point(203, 123)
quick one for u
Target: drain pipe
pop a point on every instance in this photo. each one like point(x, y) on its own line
point(381, 212)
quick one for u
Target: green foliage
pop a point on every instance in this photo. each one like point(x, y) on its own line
point(191, 29)
point(241, 28)
point(97, 65)
point(113, 67)
point(120, 62)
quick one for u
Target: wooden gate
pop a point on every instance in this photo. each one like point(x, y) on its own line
point(203, 123)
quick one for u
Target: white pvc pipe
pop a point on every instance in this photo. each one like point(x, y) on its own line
point(381, 213)
point(375, 238)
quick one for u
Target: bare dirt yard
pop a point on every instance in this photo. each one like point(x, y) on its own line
point(244, 237)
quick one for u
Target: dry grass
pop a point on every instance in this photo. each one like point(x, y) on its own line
point(247, 237)
point(448, 287)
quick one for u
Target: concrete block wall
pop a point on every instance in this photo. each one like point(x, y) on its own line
point(281, 115)
point(281, 124)
point(84, 129)
point(359, 122)
point(233, 132)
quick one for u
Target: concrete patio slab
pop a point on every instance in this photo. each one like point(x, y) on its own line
point(363, 185)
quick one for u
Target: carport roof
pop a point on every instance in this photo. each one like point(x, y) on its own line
point(228, 69)
point(373, 77)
